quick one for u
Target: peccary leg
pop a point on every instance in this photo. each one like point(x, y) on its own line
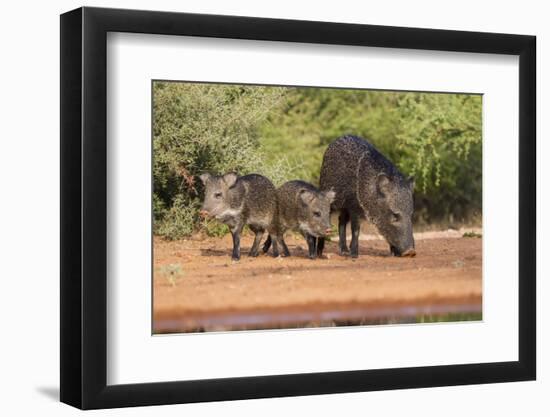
point(286, 252)
point(355, 229)
point(320, 246)
point(236, 234)
point(311, 244)
point(275, 246)
point(267, 244)
point(257, 238)
point(343, 220)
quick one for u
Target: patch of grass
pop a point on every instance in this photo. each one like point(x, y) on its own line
point(472, 234)
point(425, 318)
point(215, 229)
point(176, 222)
point(436, 318)
point(172, 272)
point(458, 263)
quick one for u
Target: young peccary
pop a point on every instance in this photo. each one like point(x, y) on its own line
point(303, 208)
point(368, 186)
point(238, 201)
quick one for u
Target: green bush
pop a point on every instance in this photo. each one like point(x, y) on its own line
point(283, 132)
point(179, 220)
point(436, 137)
point(203, 128)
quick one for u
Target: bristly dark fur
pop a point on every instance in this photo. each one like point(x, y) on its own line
point(303, 208)
point(368, 185)
point(239, 201)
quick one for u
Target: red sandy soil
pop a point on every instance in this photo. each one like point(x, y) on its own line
point(198, 288)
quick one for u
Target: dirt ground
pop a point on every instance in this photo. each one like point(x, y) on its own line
point(198, 288)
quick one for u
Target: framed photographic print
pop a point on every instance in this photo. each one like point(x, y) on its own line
point(257, 207)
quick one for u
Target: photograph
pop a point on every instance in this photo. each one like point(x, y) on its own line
point(292, 207)
point(299, 208)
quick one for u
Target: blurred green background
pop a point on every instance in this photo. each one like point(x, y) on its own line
point(282, 133)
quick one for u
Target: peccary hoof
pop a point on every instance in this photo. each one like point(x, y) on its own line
point(343, 252)
point(354, 255)
point(235, 258)
point(253, 254)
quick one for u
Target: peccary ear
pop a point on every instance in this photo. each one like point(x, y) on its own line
point(205, 177)
point(306, 196)
point(383, 184)
point(330, 195)
point(230, 179)
point(411, 182)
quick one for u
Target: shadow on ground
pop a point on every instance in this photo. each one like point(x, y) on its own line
point(299, 252)
point(50, 392)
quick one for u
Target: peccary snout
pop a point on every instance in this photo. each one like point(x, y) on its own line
point(217, 197)
point(392, 211)
point(314, 212)
point(410, 253)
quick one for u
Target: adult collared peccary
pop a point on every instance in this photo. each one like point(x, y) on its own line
point(303, 208)
point(238, 201)
point(368, 186)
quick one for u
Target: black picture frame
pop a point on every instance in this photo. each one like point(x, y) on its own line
point(84, 207)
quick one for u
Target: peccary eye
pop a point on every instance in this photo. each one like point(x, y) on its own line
point(317, 213)
point(218, 195)
point(395, 217)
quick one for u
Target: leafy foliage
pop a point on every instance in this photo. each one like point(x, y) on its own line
point(436, 137)
point(435, 128)
point(203, 128)
point(283, 132)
